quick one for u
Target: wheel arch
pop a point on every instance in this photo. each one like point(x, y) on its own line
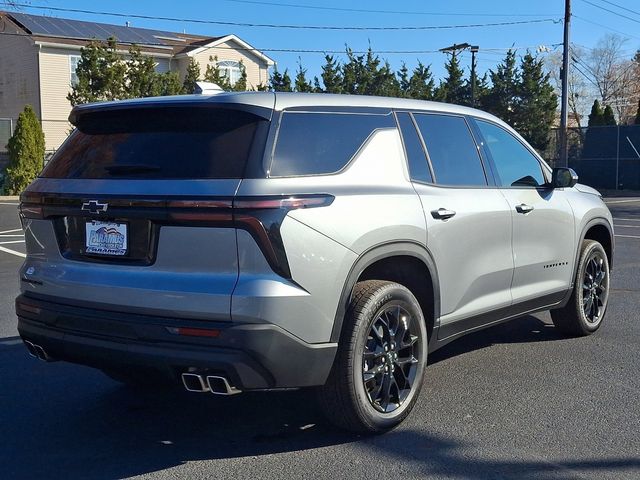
point(389, 261)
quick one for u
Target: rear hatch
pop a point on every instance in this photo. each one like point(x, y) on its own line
point(134, 211)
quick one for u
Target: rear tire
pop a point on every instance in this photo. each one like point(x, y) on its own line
point(587, 306)
point(378, 371)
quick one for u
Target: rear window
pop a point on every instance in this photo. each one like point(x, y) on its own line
point(311, 143)
point(160, 143)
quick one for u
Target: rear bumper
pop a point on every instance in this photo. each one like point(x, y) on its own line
point(251, 356)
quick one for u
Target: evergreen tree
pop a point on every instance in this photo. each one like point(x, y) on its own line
point(354, 78)
point(141, 74)
point(536, 102)
point(608, 118)
point(301, 82)
point(596, 117)
point(331, 75)
point(502, 97)
point(451, 89)
point(26, 152)
point(192, 75)
point(101, 74)
point(167, 83)
point(482, 91)
point(280, 82)
point(241, 84)
point(421, 84)
point(403, 80)
point(213, 75)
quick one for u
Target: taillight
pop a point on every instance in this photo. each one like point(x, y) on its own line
point(284, 202)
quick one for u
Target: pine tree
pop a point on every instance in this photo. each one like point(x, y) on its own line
point(280, 82)
point(26, 152)
point(192, 75)
point(301, 82)
point(608, 117)
point(354, 74)
point(403, 80)
point(101, 74)
point(596, 117)
point(536, 102)
point(142, 80)
point(503, 95)
point(167, 83)
point(332, 75)
point(213, 75)
point(451, 89)
point(421, 84)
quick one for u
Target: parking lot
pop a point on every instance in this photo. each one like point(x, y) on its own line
point(516, 401)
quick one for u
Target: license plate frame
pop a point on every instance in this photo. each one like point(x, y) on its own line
point(106, 238)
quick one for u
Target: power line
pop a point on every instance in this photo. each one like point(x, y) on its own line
point(605, 27)
point(287, 26)
point(621, 7)
point(401, 12)
point(610, 11)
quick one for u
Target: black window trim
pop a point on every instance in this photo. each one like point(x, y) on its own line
point(490, 181)
point(546, 174)
point(406, 153)
point(271, 148)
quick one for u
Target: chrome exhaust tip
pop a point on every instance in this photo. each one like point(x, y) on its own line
point(194, 383)
point(37, 351)
point(220, 386)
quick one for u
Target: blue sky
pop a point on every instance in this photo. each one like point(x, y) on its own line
point(493, 41)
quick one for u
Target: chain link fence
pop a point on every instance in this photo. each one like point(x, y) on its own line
point(606, 158)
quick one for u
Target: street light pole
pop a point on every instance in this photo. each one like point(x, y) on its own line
point(564, 107)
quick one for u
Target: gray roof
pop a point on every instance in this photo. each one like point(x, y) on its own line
point(77, 29)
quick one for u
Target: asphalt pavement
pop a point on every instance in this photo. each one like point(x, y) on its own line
point(516, 401)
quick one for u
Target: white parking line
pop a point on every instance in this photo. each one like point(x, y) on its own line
point(11, 235)
point(9, 203)
point(628, 236)
point(626, 226)
point(11, 231)
point(19, 254)
point(11, 241)
point(627, 219)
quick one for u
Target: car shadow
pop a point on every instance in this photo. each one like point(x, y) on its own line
point(64, 421)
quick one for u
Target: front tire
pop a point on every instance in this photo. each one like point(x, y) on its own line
point(587, 306)
point(379, 368)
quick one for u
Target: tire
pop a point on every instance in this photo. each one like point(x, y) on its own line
point(385, 398)
point(587, 306)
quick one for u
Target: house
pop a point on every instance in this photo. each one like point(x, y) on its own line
point(39, 55)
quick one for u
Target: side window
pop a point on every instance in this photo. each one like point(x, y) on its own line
point(418, 166)
point(516, 166)
point(73, 66)
point(310, 143)
point(451, 149)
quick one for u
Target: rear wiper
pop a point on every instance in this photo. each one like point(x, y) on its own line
point(126, 169)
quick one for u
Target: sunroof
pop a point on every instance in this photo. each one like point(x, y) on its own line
point(61, 27)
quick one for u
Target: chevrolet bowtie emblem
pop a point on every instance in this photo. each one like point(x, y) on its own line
point(94, 206)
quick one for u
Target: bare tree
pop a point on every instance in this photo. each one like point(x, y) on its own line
point(580, 95)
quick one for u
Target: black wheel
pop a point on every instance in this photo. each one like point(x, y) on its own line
point(587, 306)
point(378, 371)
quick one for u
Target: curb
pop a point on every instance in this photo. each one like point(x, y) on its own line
point(9, 198)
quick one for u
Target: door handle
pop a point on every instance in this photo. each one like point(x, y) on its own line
point(442, 214)
point(524, 208)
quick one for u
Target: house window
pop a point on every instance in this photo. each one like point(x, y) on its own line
point(231, 70)
point(73, 65)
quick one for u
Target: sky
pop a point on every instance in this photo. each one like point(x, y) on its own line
point(589, 24)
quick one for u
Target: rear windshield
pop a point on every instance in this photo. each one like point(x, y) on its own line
point(155, 143)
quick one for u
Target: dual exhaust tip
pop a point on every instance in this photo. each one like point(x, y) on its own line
point(215, 384)
point(37, 351)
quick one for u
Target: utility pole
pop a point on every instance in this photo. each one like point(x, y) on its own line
point(453, 49)
point(474, 49)
point(564, 108)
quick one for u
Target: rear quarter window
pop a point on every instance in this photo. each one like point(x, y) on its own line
point(316, 143)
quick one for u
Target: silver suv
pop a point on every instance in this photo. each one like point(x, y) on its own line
point(261, 241)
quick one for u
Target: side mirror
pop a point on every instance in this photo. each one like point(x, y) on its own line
point(563, 177)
